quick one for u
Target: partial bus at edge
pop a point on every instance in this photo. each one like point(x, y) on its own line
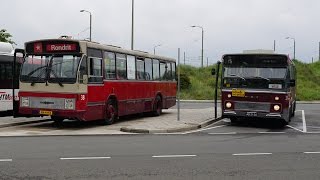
point(256, 86)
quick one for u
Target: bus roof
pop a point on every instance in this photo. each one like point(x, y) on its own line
point(6, 48)
point(252, 53)
point(84, 44)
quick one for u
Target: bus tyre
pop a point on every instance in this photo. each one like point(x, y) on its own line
point(234, 120)
point(157, 108)
point(293, 110)
point(57, 120)
point(111, 112)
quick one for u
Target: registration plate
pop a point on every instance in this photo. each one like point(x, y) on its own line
point(238, 93)
point(251, 114)
point(43, 112)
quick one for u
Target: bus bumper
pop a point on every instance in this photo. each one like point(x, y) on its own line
point(73, 114)
point(254, 114)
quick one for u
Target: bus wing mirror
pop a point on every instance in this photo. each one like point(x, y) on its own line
point(213, 72)
point(85, 79)
point(292, 83)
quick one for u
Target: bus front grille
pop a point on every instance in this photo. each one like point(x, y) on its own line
point(252, 106)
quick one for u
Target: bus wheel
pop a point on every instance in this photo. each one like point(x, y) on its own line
point(157, 106)
point(111, 111)
point(57, 120)
point(293, 110)
point(234, 120)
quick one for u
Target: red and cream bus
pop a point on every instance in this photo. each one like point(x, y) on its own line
point(258, 86)
point(82, 80)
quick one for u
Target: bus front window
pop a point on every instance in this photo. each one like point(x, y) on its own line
point(34, 68)
point(63, 69)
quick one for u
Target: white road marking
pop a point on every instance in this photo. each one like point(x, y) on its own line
point(294, 128)
point(311, 152)
point(223, 133)
point(266, 132)
point(313, 132)
point(204, 129)
point(84, 158)
point(304, 121)
point(251, 154)
point(304, 124)
point(5, 160)
point(173, 156)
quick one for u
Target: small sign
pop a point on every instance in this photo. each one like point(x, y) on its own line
point(48, 113)
point(238, 93)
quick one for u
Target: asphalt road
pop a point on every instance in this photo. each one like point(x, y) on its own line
point(248, 150)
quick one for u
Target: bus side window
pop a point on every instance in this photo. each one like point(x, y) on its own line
point(121, 66)
point(95, 69)
point(140, 69)
point(110, 65)
point(156, 69)
point(163, 71)
point(173, 67)
point(148, 69)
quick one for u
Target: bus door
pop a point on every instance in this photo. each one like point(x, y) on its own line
point(15, 81)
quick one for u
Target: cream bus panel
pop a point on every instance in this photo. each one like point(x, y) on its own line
point(54, 88)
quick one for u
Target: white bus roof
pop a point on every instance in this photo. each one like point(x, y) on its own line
point(258, 51)
point(6, 48)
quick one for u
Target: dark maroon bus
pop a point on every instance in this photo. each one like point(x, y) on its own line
point(258, 86)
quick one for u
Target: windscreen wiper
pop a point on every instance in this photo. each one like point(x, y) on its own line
point(38, 77)
point(235, 75)
point(50, 70)
point(260, 77)
point(55, 75)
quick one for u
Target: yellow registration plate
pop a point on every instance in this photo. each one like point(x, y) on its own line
point(43, 112)
point(238, 93)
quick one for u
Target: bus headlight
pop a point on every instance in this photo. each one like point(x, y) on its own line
point(25, 102)
point(276, 98)
point(228, 105)
point(276, 107)
point(69, 104)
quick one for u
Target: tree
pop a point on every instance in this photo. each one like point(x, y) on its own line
point(5, 36)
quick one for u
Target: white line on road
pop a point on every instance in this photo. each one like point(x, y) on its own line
point(223, 133)
point(251, 154)
point(311, 152)
point(266, 132)
point(294, 128)
point(204, 129)
point(84, 158)
point(173, 156)
point(304, 121)
point(304, 124)
point(5, 160)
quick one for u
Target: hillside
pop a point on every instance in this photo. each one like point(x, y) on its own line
point(202, 82)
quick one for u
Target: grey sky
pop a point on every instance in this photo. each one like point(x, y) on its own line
point(230, 25)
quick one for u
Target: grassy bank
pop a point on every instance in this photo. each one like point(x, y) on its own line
point(202, 82)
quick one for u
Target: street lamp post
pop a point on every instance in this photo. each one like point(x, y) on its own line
point(154, 48)
point(294, 46)
point(90, 21)
point(132, 23)
point(202, 33)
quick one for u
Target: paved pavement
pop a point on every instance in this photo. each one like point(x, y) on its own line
point(191, 117)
